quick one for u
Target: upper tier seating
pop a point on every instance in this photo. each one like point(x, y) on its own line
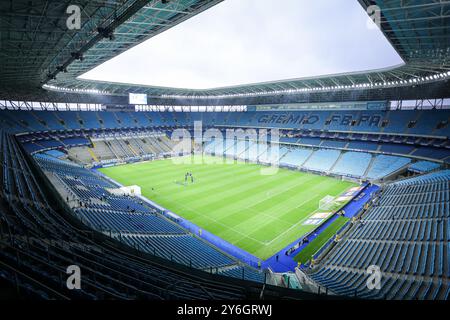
point(333, 144)
point(433, 153)
point(396, 148)
point(117, 142)
point(427, 122)
point(310, 141)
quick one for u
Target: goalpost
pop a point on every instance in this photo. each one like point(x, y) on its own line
point(326, 202)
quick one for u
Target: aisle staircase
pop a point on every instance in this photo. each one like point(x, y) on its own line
point(93, 155)
point(131, 148)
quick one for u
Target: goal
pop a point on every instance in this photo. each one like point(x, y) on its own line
point(326, 202)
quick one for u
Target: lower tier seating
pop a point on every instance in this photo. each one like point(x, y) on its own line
point(406, 233)
point(424, 166)
point(385, 165)
point(128, 219)
point(183, 249)
point(38, 240)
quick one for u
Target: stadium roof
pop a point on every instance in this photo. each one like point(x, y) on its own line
point(37, 48)
point(275, 42)
point(37, 45)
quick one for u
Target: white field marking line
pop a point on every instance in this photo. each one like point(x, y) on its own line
point(301, 181)
point(242, 234)
point(298, 206)
point(264, 243)
point(248, 207)
point(260, 213)
point(257, 226)
point(295, 225)
point(220, 223)
point(246, 236)
point(218, 182)
point(266, 215)
point(166, 174)
point(272, 218)
point(305, 218)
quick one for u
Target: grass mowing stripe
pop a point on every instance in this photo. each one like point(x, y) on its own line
point(253, 191)
point(272, 207)
point(260, 214)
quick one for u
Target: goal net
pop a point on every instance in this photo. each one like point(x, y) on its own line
point(326, 202)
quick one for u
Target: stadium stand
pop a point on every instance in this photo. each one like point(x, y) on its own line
point(424, 166)
point(128, 220)
point(406, 233)
point(33, 223)
point(242, 273)
point(296, 157)
point(182, 249)
point(411, 230)
point(382, 136)
point(385, 165)
point(123, 148)
point(353, 164)
point(122, 143)
point(322, 160)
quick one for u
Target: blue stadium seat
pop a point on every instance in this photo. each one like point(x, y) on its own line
point(322, 160)
point(424, 166)
point(384, 165)
point(353, 164)
point(405, 234)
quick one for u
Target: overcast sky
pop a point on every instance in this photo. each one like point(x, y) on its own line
point(248, 41)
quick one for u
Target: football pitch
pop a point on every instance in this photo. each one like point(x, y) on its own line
point(258, 213)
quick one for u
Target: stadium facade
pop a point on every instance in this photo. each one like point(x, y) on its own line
point(373, 145)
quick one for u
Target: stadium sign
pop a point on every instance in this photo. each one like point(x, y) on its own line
point(371, 120)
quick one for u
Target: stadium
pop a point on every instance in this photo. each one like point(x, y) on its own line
point(312, 188)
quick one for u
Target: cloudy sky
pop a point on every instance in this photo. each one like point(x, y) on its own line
point(248, 41)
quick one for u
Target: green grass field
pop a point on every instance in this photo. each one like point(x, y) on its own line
point(258, 213)
point(314, 246)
